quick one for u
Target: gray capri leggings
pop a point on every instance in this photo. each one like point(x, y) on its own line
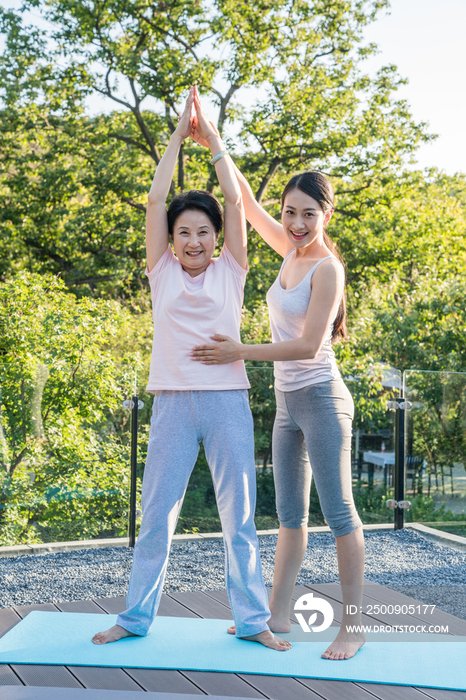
point(312, 435)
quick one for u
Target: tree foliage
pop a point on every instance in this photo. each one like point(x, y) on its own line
point(75, 185)
point(63, 442)
point(289, 84)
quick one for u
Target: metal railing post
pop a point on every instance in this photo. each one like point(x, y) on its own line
point(398, 503)
point(400, 425)
point(134, 464)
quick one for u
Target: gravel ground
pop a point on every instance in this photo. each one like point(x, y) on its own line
point(404, 561)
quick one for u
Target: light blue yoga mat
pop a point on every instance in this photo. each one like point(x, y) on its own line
point(204, 645)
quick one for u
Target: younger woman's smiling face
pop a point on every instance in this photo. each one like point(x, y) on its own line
point(303, 219)
point(194, 241)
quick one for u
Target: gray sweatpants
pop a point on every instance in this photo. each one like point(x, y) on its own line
point(180, 420)
point(312, 436)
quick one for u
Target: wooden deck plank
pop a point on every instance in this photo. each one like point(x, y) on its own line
point(8, 619)
point(227, 684)
point(80, 606)
point(221, 596)
point(438, 694)
point(163, 681)
point(104, 678)
point(169, 607)
point(8, 676)
point(392, 692)
point(336, 690)
point(46, 693)
point(24, 610)
point(280, 687)
point(53, 676)
point(203, 605)
point(112, 606)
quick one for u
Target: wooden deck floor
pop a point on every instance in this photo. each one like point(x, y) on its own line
point(213, 604)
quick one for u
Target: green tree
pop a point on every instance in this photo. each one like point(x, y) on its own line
point(63, 445)
point(315, 108)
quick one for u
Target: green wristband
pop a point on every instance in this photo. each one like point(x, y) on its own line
point(218, 156)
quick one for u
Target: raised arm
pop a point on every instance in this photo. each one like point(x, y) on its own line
point(235, 235)
point(266, 226)
point(327, 289)
point(156, 212)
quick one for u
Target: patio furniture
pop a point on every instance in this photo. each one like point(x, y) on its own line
point(380, 459)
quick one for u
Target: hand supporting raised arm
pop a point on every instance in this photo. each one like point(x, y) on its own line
point(156, 213)
point(206, 134)
point(266, 226)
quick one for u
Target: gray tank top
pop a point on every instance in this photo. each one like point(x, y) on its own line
point(287, 313)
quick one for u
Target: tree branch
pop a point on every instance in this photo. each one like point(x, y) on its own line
point(181, 160)
point(17, 460)
point(134, 204)
point(350, 214)
point(132, 142)
point(187, 46)
point(358, 189)
point(90, 280)
point(153, 150)
point(273, 167)
point(142, 125)
point(64, 264)
point(170, 123)
point(223, 105)
point(172, 128)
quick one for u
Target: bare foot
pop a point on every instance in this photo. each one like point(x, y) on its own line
point(345, 646)
point(275, 624)
point(269, 640)
point(112, 635)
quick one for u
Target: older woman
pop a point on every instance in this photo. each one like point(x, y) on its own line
point(191, 290)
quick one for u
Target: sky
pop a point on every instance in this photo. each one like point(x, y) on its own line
point(425, 39)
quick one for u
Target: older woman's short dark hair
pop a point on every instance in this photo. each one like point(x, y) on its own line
point(196, 199)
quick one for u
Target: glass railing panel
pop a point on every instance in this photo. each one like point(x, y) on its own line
point(372, 480)
point(64, 452)
point(436, 449)
point(373, 443)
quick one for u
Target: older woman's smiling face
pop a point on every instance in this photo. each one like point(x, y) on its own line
point(194, 241)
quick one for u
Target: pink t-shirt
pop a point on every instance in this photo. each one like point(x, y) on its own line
point(186, 312)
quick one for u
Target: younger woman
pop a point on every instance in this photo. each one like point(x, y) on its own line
point(193, 404)
point(314, 408)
